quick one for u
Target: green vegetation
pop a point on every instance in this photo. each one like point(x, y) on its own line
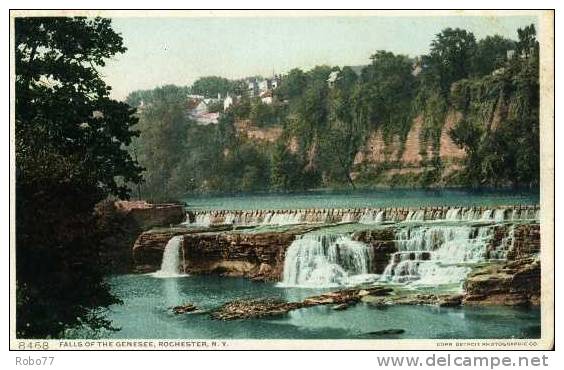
point(327, 114)
point(212, 86)
point(500, 128)
point(70, 155)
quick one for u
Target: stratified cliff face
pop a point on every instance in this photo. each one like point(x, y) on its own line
point(376, 150)
point(408, 157)
point(149, 247)
point(148, 215)
point(258, 256)
point(255, 255)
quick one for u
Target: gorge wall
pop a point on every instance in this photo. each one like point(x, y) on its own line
point(408, 156)
point(399, 156)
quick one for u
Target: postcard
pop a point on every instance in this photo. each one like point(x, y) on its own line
point(222, 180)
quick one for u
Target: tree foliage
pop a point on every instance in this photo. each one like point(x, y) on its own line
point(212, 86)
point(70, 154)
point(500, 129)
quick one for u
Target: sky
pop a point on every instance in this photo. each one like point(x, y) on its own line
point(178, 51)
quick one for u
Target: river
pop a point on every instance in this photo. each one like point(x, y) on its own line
point(365, 199)
point(146, 313)
point(148, 298)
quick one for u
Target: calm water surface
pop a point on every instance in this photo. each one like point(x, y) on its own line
point(147, 300)
point(363, 199)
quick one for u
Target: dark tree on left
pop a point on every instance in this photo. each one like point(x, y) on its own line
point(71, 153)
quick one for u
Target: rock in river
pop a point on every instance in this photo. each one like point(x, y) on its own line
point(387, 332)
point(184, 308)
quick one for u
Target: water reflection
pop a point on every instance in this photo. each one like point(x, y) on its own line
point(146, 314)
point(171, 292)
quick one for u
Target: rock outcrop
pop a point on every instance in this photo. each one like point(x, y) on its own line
point(123, 221)
point(221, 251)
point(526, 242)
point(513, 283)
point(148, 215)
point(259, 256)
point(264, 307)
point(149, 246)
point(339, 300)
point(407, 156)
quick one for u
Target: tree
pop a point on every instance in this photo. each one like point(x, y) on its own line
point(226, 129)
point(212, 86)
point(161, 143)
point(491, 54)
point(528, 46)
point(262, 114)
point(347, 127)
point(286, 168)
point(71, 153)
point(500, 129)
point(292, 85)
point(450, 58)
point(387, 88)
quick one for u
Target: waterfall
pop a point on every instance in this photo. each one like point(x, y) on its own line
point(372, 217)
point(418, 215)
point(170, 264)
point(230, 219)
point(435, 255)
point(347, 217)
point(487, 214)
point(369, 216)
point(453, 214)
point(317, 261)
point(506, 245)
point(201, 220)
point(286, 218)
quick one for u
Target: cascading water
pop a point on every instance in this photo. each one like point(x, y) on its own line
point(286, 218)
point(506, 245)
point(347, 217)
point(453, 214)
point(372, 217)
point(170, 265)
point(201, 220)
point(366, 216)
point(417, 216)
point(436, 255)
point(317, 261)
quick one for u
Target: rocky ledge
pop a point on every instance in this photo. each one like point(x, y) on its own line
point(223, 251)
point(148, 215)
point(258, 256)
point(220, 250)
point(513, 283)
